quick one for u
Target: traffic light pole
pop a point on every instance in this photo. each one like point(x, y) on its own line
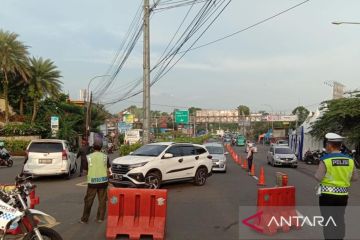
point(146, 90)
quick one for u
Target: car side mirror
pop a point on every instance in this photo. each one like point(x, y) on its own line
point(168, 155)
point(209, 157)
point(131, 153)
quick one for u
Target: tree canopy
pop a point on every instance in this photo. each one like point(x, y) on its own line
point(341, 116)
point(244, 110)
point(302, 113)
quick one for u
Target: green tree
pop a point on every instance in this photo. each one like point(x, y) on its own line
point(44, 82)
point(341, 116)
point(302, 113)
point(18, 94)
point(243, 110)
point(193, 110)
point(13, 61)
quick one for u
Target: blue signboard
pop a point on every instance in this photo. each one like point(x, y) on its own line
point(124, 127)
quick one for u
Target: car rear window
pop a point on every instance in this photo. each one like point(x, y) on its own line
point(45, 147)
point(283, 151)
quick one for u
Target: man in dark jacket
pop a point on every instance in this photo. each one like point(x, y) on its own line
point(83, 152)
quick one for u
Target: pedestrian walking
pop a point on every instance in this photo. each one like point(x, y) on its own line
point(335, 173)
point(250, 157)
point(97, 177)
point(83, 152)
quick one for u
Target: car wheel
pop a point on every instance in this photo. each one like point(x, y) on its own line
point(153, 180)
point(200, 176)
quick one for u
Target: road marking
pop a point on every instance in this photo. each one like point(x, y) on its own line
point(256, 178)
point(82, 184)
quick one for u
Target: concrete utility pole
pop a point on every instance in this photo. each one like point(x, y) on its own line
point(146, 91)
point(88, 117)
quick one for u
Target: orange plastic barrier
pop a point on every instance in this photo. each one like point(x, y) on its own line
point(276, 204)
point(136, 212)
point(34, 200)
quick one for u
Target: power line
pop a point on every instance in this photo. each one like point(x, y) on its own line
point(220, 39)
point(192, 28)
point(251, 26)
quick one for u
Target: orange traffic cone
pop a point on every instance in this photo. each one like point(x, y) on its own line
point(252, 172)
point(261, 181)
point(245, 166)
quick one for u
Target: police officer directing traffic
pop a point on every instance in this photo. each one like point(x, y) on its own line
point(97, 178)
point(336, 171)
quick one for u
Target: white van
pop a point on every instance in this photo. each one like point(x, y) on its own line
point(47, 157)
point(133, 136)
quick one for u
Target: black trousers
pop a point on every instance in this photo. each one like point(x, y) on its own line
point(83, 165)
point(333, 206)
point(250, 162)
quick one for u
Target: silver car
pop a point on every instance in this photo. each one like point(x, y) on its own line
point(218, 154)
point(281, 155)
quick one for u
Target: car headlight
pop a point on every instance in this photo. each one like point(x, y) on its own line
point(133, 166)
point(277, 157)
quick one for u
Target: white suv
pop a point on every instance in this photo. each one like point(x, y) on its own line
point(158, 163)
point(47, 157)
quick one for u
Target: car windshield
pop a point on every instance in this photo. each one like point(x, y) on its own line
point(150, 150)
point(215, 150)
point(46, 147)
point(283, 151)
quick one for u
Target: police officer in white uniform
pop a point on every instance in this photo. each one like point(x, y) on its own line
point(335, 173)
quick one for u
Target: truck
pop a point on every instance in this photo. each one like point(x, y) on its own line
point(278, 134)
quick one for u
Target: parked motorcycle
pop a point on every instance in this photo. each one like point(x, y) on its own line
point(16, 219)
point(313, 157)
point(6, 161)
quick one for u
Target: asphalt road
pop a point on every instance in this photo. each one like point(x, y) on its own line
point(213, 211)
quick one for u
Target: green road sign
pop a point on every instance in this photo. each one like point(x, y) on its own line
point(182, 117)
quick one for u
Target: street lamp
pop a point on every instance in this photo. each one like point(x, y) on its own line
point(88, 112)
point(90, 82)
point(340, 23)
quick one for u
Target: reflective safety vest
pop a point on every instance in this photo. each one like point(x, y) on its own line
point(97, 164)
point(339, 170)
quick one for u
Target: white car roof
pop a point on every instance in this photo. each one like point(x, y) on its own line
point(162, 143)
point(281, 146)
point(49, 140)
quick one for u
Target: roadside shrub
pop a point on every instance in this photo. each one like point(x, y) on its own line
point(24, 129)
point(127, 149)
point(16, 147)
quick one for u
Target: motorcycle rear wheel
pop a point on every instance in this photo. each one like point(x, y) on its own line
point(10, 163)
point(46, 233)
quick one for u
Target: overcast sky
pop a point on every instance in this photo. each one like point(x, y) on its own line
point(283, 63)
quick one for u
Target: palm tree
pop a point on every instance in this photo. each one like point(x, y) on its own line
point(13, 60)
point(44, 82)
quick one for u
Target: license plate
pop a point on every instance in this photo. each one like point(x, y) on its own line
point(45, 161)
point(118, 176)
